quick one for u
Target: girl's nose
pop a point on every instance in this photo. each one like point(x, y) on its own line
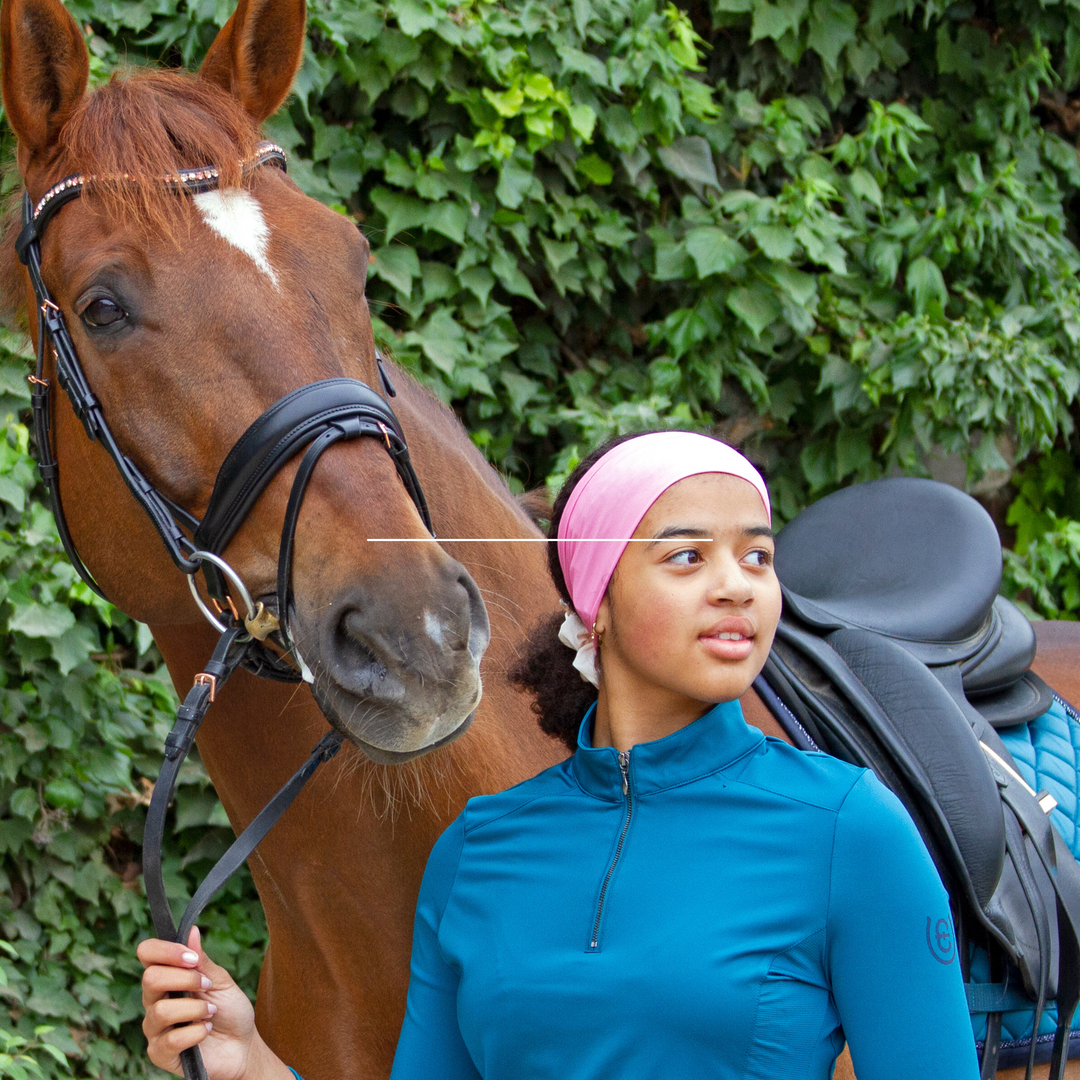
point(732, 584)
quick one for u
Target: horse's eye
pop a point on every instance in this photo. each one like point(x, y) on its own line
point(103, 312)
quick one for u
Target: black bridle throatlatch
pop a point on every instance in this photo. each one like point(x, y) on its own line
point(313, 417)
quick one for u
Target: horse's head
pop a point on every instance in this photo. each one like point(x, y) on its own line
point(191, 316)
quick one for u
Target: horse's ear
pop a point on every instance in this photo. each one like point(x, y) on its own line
point(44, 70)
point(257, 53)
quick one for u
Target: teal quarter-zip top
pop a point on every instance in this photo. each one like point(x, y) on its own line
point(714, 905)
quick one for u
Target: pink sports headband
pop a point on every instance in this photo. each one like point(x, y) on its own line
point(610, 500)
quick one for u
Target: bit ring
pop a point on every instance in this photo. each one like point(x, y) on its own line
point(234, 579)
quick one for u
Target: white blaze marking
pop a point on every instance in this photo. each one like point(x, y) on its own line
point(237, 218)
point(433, 627)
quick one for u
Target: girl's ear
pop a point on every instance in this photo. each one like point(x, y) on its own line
point(45, 66)
point(602, 622)
point(257, 53)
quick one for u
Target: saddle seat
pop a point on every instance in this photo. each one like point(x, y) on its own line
point(918, 562)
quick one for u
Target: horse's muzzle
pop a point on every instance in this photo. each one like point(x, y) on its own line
point(396, 666)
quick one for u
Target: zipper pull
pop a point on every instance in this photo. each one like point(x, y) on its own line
point(624, 768)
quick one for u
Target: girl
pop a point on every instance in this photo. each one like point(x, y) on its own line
point(682, 897)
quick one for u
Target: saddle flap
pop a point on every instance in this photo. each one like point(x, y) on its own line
point(934, 744)
point(881, 556)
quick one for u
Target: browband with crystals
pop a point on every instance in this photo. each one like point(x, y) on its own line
point(188, 180)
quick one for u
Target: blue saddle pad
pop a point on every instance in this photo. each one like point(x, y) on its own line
point(1047, 754)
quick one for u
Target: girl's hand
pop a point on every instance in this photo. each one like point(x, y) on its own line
point(214, 1014)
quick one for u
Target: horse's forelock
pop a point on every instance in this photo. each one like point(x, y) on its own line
point(137, 129)
point(129, 134)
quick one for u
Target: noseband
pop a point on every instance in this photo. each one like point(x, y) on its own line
point(315, 416)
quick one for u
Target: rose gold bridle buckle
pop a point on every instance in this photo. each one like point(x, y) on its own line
point(202, 679)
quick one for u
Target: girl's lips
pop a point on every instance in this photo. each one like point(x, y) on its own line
point(726, 649)
point(731, 638)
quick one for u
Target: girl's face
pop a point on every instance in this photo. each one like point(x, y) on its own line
point(689, 617)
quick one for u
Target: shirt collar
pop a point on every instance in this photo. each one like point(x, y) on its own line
point(710, 743)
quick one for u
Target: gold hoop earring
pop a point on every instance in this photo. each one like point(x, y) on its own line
point(597, 634)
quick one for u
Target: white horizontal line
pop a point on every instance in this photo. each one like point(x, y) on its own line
point(518, 540)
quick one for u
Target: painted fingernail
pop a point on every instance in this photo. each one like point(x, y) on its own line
point(210, 1009)
point(190, 957)
point(209, 1026)
point(206, 983)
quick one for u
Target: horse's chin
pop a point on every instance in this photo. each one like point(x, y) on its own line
point(390, 746)
point(400, 757)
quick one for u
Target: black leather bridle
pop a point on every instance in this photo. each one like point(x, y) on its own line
point(314, 416)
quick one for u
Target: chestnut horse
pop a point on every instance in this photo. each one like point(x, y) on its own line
point(191, 317)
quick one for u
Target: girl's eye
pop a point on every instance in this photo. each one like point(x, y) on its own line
point(759, 557)
point(689, 557)
point(103, 312)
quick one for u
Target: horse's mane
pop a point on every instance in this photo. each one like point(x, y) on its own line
point(129, 134)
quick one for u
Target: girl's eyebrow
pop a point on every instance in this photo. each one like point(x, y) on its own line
point(680, 530)
point(691, 531)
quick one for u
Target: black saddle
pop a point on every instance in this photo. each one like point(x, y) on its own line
point(920, 563)
point(895, 652)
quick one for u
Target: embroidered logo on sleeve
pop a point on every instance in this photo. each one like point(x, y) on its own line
point(939, 938)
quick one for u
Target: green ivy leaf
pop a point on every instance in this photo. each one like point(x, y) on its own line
point(775, 20)
point(509, 274)
point(398, 265)
point(515, 183)
point(74, 646)
point(520, 388)
point(443, 341)
point(832, 26)
point(690, 158)
point(926, 284)
point(42, 620)
point(595, 168)
point(583, 121)
point(402, 211)
point(713, 251)
point(776, 241)
point(866, 187)
point(756, 305)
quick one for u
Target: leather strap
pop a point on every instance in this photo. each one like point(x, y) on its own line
point(250, 838)
point(285, 429)
point(189, 717)
point(292, 514)
point(52, 330)
point(226, 658)
point(793, 727)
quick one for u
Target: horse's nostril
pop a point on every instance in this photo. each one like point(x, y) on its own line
point(351, 647)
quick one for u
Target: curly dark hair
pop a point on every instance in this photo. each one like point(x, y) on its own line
point(561, 696)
